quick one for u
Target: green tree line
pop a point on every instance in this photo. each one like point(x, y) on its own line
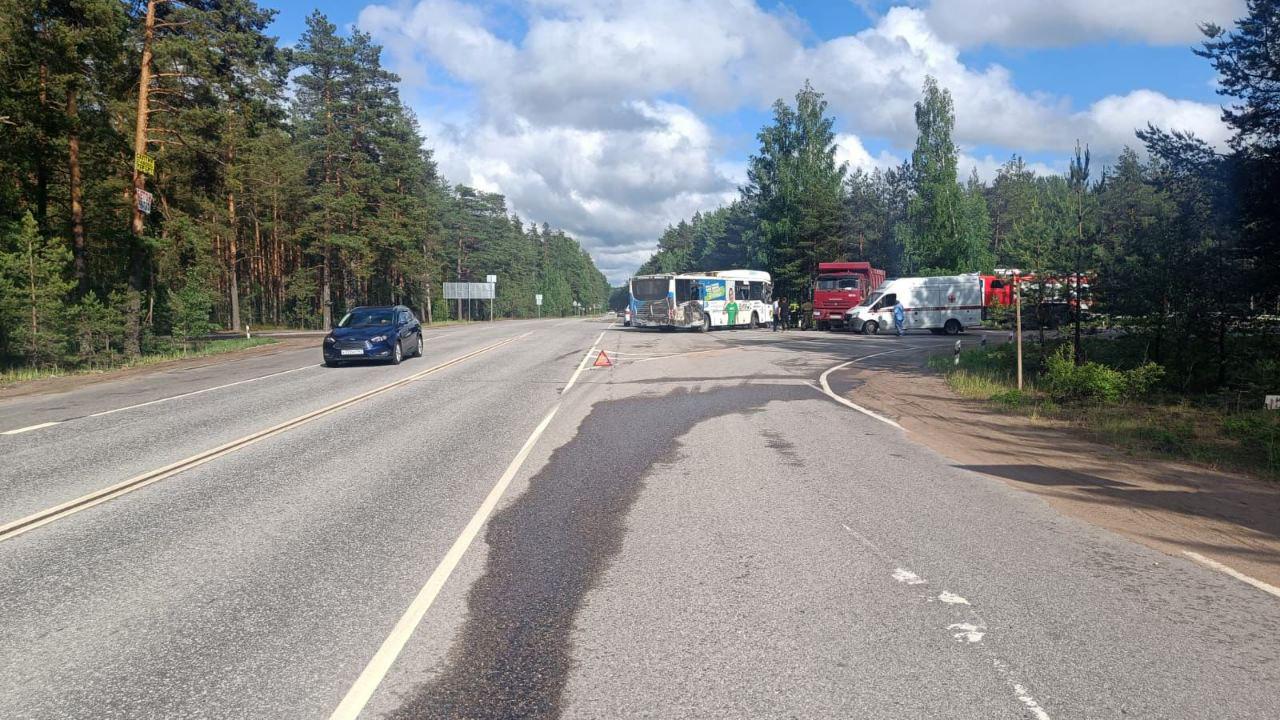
point(1181, 242)
point(284, 185)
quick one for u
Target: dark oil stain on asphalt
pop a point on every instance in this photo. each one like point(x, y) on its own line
point(550, 547)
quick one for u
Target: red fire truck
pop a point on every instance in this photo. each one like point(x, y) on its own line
point(838, 287)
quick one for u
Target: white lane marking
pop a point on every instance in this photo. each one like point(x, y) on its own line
point(582, 365)
point(198, 392)
point(29, 428)
point(903, 575)
point(684, 354)
point(826, 388)
point(44, 517)
point(1030, 702)
point(1264, 587)
point(371, 677)
point(967, 632)
point(951, 598)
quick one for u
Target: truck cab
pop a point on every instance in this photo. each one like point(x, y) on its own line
point(840, 286)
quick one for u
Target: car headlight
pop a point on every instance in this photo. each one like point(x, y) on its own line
point(328, 340)
point(378, 338)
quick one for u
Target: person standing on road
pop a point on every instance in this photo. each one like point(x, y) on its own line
point(784, 310)
point(777, 320)
point(899, 316)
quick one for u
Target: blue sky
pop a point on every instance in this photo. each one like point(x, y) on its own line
point(612, 118)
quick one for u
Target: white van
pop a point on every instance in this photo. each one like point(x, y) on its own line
point(939, 304)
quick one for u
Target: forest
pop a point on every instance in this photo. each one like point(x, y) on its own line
point(1180, 240)
point(168, 169)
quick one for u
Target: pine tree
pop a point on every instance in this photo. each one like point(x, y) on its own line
point(33, 294)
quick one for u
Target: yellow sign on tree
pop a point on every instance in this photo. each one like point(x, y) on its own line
point(145, 164)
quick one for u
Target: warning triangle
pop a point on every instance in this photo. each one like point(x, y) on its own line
point(602, 360)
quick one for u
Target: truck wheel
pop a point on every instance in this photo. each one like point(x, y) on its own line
point(870, 327)
point(952, 327)
point(755, 321)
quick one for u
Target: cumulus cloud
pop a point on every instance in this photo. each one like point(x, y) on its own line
point(593, 118)
point(1054, 23)
point(613, 189)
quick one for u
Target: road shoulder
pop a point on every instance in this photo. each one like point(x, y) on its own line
point(1174, 507)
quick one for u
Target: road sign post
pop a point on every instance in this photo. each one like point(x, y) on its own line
point(537, 300)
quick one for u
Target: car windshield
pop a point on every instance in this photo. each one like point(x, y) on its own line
point(367, 318)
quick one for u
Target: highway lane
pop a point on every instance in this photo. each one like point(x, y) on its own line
point(56, 464)
point(247, 586)
point(699, 532)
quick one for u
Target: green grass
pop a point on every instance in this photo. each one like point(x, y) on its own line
point(1200, 429)
point(204, 349)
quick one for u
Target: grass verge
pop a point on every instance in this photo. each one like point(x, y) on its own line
point(212, 347)
point(1199, 429)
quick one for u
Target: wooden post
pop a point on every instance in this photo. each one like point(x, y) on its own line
point(1017, 293)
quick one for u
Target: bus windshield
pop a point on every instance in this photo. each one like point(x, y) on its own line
point(649, 289)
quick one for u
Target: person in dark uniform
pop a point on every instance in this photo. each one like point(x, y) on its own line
point(784, 307)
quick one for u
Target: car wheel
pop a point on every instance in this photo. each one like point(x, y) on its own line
point(397, 353)
point(870, 327)
point(952, 327)
point(418, 352)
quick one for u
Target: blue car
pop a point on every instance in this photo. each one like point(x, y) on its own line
point(389, 333)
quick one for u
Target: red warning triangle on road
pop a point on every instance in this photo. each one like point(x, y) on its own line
point(602, 360)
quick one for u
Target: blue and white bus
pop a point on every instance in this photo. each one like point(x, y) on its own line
point(702, 301)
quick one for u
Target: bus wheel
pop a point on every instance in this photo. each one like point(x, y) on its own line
point(706, 323)
point(755, 321)
point(870, 327)
point(952, 327)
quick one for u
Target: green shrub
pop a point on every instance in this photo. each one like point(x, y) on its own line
point(1139, 381)
point(1258, 432)
point(1065, 381)
point(1010, 398)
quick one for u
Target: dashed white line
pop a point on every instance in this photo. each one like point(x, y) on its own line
point(907, 577)
point(1207, 562)
point(951, 598)
point(29, 428)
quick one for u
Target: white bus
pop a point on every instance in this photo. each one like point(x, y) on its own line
point(702, 301)
point(938, 304)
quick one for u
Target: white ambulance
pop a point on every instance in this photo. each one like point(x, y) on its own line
point(946, 304)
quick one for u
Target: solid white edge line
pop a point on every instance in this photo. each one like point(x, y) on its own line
point(371, 677)
point(379, 665)
point(29, 428)
point(583, 365)
point(1214, 564)
point(826, 388)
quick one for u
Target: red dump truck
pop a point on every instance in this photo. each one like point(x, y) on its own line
point(840, 286)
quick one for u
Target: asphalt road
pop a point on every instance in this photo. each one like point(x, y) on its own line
point(697, 531)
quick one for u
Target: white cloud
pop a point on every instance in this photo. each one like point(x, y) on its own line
point(593, 119)
point(615, 190)
point(1052, 23)
point(849, 149)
